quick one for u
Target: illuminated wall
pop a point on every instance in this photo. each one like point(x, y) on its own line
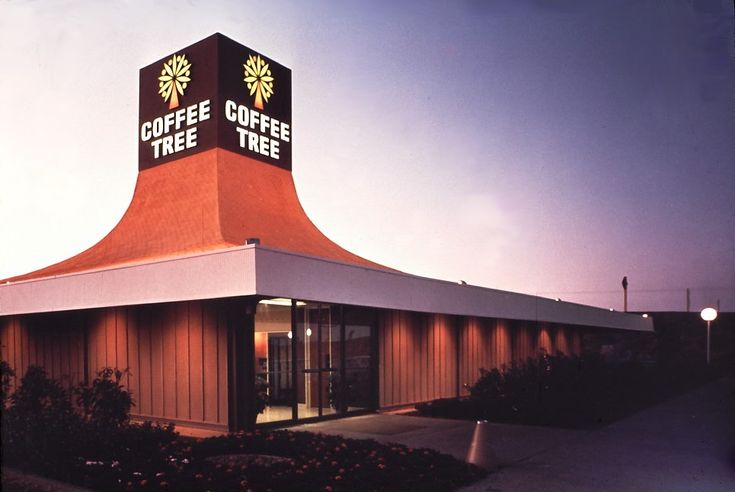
point(176, 355)
point(417, 357)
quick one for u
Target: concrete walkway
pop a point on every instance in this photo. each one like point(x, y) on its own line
point(684, 444)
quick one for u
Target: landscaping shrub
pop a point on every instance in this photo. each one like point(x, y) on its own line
point(106, 403)
point(569, 391)
point(98, 448)
point(6, 372)
point(39, 418)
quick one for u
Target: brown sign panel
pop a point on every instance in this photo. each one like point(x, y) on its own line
point(215, 93)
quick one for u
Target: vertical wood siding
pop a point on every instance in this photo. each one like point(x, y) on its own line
point(417, 357)
point(418, 352)
point(484, 344)
point(543, 343)
point(54, 341)
point(502, 343)
point(561, 344)
point(181, 356)
point(175, 354)
point(523, 341)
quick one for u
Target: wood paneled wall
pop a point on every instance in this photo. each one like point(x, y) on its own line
point(54, 341)
point(484, 344)
point(176, 354)
point(178, 361)
point(543, 341)
point(417, 357)
point(523, 341)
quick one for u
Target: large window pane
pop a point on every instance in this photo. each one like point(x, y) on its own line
point(334, 366)
point(273, 359)
point(359, 326)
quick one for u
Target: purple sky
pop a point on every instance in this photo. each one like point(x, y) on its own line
point(541, 147)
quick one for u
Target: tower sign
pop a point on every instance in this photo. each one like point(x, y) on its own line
point(215, 93)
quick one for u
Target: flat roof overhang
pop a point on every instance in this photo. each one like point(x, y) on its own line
point(257, 270)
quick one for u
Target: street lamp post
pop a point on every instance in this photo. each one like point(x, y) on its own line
point(709, 315)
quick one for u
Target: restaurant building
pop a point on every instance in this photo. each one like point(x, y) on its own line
point(215, 283)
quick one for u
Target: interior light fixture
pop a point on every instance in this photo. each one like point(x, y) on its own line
point(308, 332)
point(280, 301)
point(290, 335)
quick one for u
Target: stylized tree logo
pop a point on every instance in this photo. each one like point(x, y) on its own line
point(174, 79)
point(259, 79)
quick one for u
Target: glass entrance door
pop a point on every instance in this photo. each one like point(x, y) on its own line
point(317, 351)
point(280, 387)
point(314, 359)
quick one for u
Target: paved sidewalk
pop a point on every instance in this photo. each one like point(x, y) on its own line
point(684, 444)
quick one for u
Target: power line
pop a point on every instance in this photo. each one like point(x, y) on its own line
point(677, 289)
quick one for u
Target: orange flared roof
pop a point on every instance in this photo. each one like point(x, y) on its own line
point(211, 200)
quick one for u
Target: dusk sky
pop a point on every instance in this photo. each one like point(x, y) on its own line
point(545, 147)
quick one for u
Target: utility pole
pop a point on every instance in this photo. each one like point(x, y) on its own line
point(625, 294)
point(689, 300)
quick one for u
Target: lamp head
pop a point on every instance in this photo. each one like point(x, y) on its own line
point(709, 314)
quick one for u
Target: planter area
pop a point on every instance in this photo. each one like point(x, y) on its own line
point(145, 458)
point(91, 444)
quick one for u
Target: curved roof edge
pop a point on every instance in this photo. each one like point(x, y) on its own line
point(212, 200)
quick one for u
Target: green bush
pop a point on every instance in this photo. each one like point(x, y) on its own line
point(43, 432)
point(40, 417)
point(570, 391)
point(6, 372)
point(97, 448)
point(106, 403)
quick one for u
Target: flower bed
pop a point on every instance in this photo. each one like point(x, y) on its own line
point(42, 433)
point(140, 458)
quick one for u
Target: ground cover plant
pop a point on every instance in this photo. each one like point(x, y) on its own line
point(84, 437)
point(569, 391)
